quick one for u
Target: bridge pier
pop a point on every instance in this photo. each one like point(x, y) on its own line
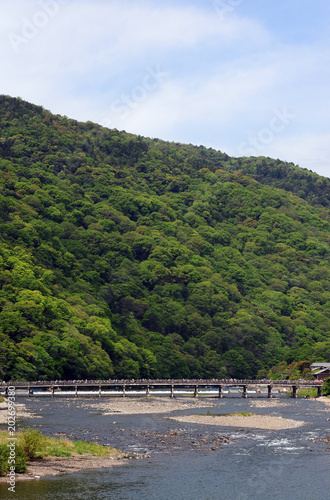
point(100, 389)
point(244, 393)
point(196, 391)
point(220, 392)
point(53, 391)
point(270, 395)
point(172, 391)
point(147, 390)
point(294, 391)
point(76, 390)
point(124, 390)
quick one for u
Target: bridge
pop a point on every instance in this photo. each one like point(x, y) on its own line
point(125, 388)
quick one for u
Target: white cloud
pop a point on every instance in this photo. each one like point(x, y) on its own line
point(224, 76)
point(91, 44)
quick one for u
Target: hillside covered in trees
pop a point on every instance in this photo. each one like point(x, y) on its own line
point(122, 256)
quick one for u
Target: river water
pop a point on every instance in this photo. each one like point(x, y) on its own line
point(188, 461)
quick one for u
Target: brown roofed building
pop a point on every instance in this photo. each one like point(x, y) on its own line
point(323, 370)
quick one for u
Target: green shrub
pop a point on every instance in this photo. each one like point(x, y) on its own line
point(32, 441)
point(326, 387)
point(4, 455)
point(2, 400)
point(20, 459)
point(312, 393)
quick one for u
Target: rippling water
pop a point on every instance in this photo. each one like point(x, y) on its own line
point(255, 464)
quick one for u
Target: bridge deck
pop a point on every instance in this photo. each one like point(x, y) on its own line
point(133, 387)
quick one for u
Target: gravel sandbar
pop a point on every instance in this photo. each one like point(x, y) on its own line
point(324, 400)
point(132, 406)
point(20, 412)
point(254, 421)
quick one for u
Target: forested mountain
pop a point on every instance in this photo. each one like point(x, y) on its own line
point(122, 256)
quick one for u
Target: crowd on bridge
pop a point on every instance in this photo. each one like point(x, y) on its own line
point(211, 382)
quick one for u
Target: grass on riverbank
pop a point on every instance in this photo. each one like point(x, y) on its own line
point(209, 414)
point(31, 445)
point(2, 400)
point(242, 414)
point(312, 393)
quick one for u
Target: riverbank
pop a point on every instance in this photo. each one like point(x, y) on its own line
point(20, 412)
point(37, 456)
point(324, 399)
point(56, 466)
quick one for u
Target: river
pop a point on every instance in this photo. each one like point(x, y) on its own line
point(187, 461)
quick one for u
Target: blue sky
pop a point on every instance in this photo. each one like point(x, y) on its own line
point(247, 77)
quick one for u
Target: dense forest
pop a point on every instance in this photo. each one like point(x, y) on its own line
point(123, 256)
